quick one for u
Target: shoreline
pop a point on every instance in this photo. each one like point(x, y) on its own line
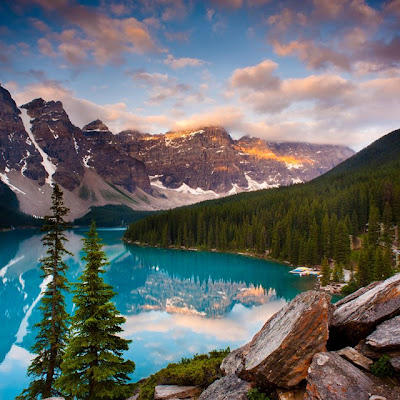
point(331, 289)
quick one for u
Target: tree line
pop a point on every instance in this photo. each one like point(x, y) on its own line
point(302, 224)
point(78, 356)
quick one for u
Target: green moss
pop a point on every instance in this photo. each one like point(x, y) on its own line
point(201, 370)
point(256, 394)
point(382, 367)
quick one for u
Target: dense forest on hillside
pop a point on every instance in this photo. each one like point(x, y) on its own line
point(111, 215)
point(302, 224)
point(9, 210)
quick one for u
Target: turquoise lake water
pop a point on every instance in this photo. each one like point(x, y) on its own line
point(177, 303)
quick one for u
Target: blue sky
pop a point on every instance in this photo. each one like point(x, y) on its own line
point(317, 70)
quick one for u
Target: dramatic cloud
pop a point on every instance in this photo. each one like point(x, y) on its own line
point(352, 43)
point(178, 63)
point(94, 34)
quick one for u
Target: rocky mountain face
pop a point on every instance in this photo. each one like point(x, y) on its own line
point(40, 145)
point(209, 159)
point(112, 161)
point(304, 351)
point(59, 139)
point(17, 150)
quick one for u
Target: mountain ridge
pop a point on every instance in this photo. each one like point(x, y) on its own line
point(40, 145)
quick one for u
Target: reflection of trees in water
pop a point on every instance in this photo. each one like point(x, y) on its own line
point(197, 282)
point(191, 296)
point(177, 281)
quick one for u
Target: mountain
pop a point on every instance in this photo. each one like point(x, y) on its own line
point(40, 146)
point(302, 223)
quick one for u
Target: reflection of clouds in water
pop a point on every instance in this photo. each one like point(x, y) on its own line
point(235, 326)
point(16, 358)
point(160, 338)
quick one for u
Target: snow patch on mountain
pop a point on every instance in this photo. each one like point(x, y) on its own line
point(4, 179)
point(254, 185)
point(47, 164)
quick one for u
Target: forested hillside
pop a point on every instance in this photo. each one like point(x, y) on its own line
point(303, 223)
point(9, 211)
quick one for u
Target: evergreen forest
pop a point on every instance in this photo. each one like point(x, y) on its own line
point(303, 224)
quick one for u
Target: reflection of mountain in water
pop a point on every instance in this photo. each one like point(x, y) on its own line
point(191, 296)
point(207, 284)
point(197, 282)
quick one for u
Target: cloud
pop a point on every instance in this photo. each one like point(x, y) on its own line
point(82, 111)
point(315, 56)
point(256, 77)
point(151, 79)
point(223, 116)
point(266, 93)
point(39, 25)
point(177, 36)
point(178, 63)
point(352, 43)
point(167, 10)
point(96, 34)
point(234, 4)
point(210, 14)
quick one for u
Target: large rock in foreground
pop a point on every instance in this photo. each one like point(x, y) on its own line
point(280, 354)
point(173, 392)
point(355, 319)
point(386, 336)
point(229, 387)
point(331, 377)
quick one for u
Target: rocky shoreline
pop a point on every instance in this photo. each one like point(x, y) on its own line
point(315, 350)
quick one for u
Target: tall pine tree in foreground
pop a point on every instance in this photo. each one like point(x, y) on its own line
point(53, 329)
point(93, 367)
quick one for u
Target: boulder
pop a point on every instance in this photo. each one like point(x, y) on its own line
point(233, 363)
point(332, 377)
point(395, 363)
point(165, 392)
point(386, 336)
point(355, 319)
point(229, 387)
point(135, 397)
point(280, 354)
point(357, 293)
point(355, 357)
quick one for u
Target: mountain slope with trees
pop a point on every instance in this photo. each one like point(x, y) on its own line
point(302, 223)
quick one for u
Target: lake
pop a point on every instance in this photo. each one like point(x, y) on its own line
point(177, 303)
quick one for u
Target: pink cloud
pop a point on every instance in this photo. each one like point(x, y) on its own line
point(95, 33)
point(46, 48)
point(178, 63)
point(256, 77)
point(300, 31)
point(314, 55)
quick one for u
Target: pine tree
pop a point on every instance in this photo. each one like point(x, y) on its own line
point(93, 367)
point(326, 272)
point(52, 336)
point(373, 226)
point(342, 243)
point(337, 275)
